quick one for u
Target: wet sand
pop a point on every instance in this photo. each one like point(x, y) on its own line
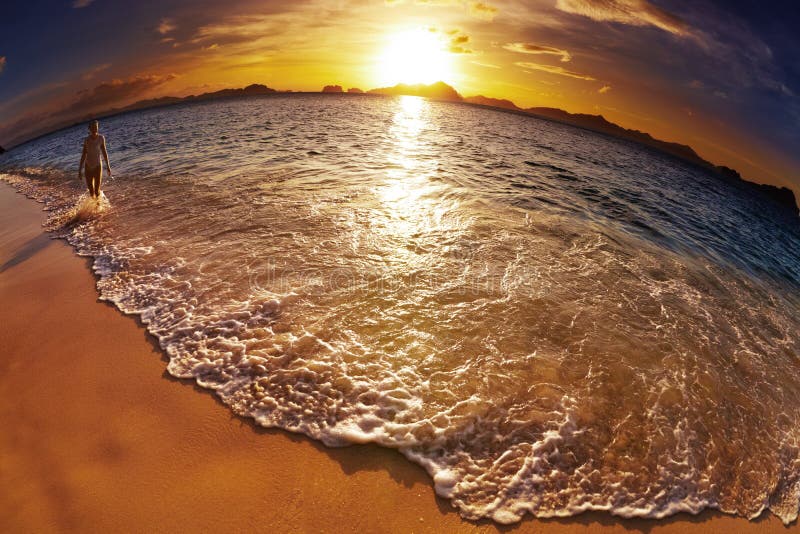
point(97, 437)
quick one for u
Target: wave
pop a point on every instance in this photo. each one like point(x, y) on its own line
point(532, 361)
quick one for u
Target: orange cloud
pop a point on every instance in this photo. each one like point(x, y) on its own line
point(476, 8)
point(554, 70)
point(165, 26)
point(529, 48)
point(239, 27)
point(456, 40)
point(482, 11)
point(633, 12)
point(604, 89)
point(2, 63)
point(78, 4)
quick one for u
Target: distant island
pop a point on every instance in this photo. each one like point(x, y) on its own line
point(444, 92)
point(339, 89)
point(435, 91)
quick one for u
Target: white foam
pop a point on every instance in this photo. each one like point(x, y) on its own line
point(533, 362)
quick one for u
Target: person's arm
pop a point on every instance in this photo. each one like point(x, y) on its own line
point(105, 155)
point(83, 160)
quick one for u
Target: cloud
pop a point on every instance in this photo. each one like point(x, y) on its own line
point(604, 89)
point(91, 73)
point(732, 53)
point(26, 99)
point(165, 26)
point(487, 65)
point(529, 48)
point(554, 70)
point(2, 63)
point(116, 92)
point(715, 44)
point(62, 111)
point(482, 10)
point(632, 12)
point(238, 28)
point(287, 29)
point(456, 40)
point(476, 8)
point(78, 4)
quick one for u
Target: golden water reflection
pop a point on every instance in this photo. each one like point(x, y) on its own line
point(414, 204)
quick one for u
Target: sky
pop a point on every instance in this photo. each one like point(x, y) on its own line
point(722, 76)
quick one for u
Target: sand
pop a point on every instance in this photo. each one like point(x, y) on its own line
point(97, 437)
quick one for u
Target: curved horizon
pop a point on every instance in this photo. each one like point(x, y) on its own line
point(719, 77)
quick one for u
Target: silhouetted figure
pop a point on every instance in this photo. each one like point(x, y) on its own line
point(93, 147)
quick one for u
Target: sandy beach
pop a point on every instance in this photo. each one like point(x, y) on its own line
point(97, 437)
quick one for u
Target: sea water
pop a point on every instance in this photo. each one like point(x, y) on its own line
point(547, 319)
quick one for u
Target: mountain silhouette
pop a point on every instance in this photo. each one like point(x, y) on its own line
point(783, 196)
point(436, 91)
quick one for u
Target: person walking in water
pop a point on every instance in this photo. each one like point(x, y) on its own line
point(93, 147)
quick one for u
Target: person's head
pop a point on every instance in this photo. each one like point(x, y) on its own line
point(94, 126)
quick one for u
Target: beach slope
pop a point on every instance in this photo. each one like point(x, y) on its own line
point(97, 437)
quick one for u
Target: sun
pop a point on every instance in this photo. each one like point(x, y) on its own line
point(414, 56)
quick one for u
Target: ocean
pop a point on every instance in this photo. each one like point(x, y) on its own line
point(547, 319)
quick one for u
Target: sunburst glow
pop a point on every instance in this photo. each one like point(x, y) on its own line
point(415, 56)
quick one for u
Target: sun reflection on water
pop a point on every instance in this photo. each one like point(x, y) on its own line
point(413, 203)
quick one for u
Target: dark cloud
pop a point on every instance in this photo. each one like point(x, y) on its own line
point(94, 71)
point(100, 98)
point(116, 92)
point(2, 63)
point(727, 51)
point(633, 12)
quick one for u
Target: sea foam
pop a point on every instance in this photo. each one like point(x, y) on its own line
point(612, 341)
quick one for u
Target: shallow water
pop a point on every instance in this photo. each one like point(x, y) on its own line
point(547, 319)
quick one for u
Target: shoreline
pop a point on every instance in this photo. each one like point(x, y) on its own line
point(97, 436)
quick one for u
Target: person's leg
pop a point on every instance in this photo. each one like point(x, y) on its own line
point(88, 176)
point(92, 178)
point(98, 180)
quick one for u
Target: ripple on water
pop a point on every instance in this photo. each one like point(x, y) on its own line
point(576, 324)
